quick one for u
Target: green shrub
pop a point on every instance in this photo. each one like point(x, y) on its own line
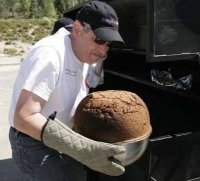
point(22, 51)
point(27, 38)
point(8, 43)
point(10, 51)
point(25, 30)
point(45, 21)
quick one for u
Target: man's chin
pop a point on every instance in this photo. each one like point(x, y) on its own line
point(93, 61)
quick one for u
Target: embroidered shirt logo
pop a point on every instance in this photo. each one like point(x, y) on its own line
point(70, 72)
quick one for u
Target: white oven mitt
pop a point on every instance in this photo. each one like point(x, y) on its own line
point(91, 153)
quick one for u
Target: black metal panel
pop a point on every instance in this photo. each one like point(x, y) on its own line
point(174, 29)
point(175, 157)
point(161, 29)
point(132, 21)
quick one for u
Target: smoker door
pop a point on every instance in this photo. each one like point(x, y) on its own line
point(175, 158)
point(173, 29)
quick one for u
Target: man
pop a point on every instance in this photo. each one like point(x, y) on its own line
point(55, 77)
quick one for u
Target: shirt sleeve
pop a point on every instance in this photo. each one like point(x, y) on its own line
point(42, 67)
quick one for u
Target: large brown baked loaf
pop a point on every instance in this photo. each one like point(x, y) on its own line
point(112, 116)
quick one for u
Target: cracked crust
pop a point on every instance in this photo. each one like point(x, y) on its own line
point(112, 116)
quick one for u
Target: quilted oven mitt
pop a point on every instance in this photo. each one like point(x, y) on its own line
point(91, 153)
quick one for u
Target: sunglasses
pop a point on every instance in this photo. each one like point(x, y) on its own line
point(101, 42)
point(95, 39)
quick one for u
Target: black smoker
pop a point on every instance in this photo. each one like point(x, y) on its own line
point(160, 63)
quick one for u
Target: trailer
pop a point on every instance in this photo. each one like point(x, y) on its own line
point(160, 62)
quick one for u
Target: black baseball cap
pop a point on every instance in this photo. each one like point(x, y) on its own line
point(65, 22)
point(102, 19)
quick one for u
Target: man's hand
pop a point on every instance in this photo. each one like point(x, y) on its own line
point(91, 153)
point(99, 66)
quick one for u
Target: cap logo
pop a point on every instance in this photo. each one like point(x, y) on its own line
point(69, 26)
point(111, 22)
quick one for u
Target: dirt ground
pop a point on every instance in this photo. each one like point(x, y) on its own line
point(21, 47)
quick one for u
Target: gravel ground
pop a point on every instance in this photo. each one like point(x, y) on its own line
point(21, 48)
point(9, 67)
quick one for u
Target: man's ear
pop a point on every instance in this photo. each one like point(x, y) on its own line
point(77, 28)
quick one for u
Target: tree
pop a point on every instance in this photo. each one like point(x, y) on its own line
point(48, 8)
point(34, 9)
point(22, 7)
point(2, 8)
point(9, 5)
point(60, 6)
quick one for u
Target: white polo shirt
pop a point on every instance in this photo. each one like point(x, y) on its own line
point(52, 71)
